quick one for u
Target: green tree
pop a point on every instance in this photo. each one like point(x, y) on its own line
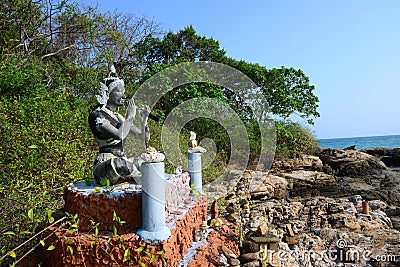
point(287, 90)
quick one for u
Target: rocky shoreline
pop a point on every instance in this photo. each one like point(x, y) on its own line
point(337, 208)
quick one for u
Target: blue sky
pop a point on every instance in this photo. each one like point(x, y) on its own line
point(350, 49)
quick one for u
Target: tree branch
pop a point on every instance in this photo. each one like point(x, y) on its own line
point(58, 51)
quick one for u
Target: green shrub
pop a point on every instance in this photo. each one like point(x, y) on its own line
point(293, 140)
point(45, 145)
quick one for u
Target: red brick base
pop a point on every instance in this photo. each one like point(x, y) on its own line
point(85, 249)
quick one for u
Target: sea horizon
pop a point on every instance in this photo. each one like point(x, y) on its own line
point(361, 142)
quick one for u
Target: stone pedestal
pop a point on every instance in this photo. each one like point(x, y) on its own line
point(194, 168)
point(183, 214)
point(153, 203)
point(123, 199)
point(108, 250)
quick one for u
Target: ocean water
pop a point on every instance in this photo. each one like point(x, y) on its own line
point(388, 141)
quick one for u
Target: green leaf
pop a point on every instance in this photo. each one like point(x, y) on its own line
point(127, 254)
point(153, 257)
point(51, 219)
point(42, 243)
point(12, 254)
point(30, 214)
point(139, 249)
point(9, 233)
point(51, 247)
point(96, 231)
point(147, 253)
point(96, 190)
point(71, 250)
point(25, 232)
point(142, 264)
point(32, 146)
point(161, 252)
point(104, 182)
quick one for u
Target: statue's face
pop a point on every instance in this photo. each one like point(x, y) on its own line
point(117, 96)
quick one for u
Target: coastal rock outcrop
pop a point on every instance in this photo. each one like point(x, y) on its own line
point(305, 162)
point(389, 156)
point(351, 163)
point(346, 203)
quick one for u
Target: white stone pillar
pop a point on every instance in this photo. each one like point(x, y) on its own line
point(194, 167)
point(153, 203)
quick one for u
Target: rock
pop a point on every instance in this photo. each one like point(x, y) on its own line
point(386, 222)
point(271, 187)
point(353, 147)
point(232, 217)
point(214, 210)
point(252, 264)
point(309, 183)
point(350, 162)
point(151, 156)
point(262, 230)
point(250, 247)
point(340, 220)
point(197, 149)
point(377, 204)
point(391, 157)
point(355, 199)
point(230, 208)
point(393, 212)
point(289, 229)
point(291, 240)
point(395, 222)
point(216, 222)
point(227, 252)
point(248, 257)
point(302, 178)
point(334, 208)
point(198, 235)
point(265, 239)
point(306, 162)
point(234, 262)
point(223, 259)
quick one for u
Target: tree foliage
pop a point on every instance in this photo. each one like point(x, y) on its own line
point(53, 55)
point(287, 90)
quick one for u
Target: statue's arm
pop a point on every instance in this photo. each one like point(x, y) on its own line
point(123, 130)
point(120, 134)
point(144, 132)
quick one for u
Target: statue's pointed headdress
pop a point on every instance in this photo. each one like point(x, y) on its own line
point(108, 84)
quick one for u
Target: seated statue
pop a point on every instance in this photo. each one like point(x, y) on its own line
point(110, 130)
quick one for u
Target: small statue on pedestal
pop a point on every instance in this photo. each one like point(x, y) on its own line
point(193, 147)
point(110, 130)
